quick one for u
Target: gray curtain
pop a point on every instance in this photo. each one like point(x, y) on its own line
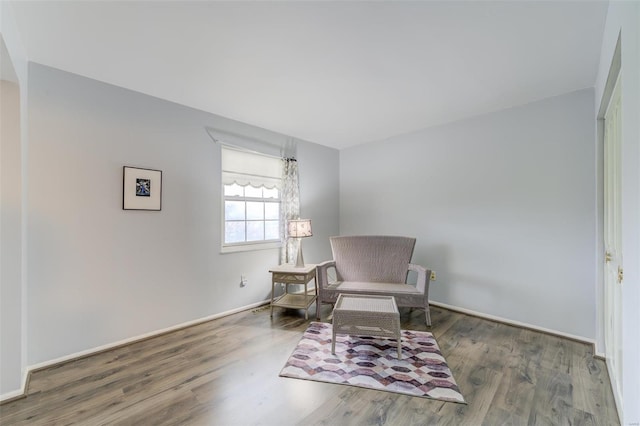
point(290, 208)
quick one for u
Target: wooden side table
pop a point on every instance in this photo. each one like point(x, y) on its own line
point(288, 274)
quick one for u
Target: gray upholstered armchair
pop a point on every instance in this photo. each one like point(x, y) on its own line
point(376, 265)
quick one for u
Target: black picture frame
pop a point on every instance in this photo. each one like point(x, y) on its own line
point(141, 189)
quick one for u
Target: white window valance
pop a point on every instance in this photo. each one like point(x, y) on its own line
point(250, 168)
point(255, 181)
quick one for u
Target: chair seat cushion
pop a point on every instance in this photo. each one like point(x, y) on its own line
point(373, 288)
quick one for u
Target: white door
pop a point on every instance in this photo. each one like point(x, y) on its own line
point(612, 240)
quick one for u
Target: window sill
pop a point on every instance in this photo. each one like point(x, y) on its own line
point(250, 247)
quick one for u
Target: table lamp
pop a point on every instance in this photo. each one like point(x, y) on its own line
point(299, 228)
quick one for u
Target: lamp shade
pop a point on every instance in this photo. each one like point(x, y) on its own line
point(299, 228)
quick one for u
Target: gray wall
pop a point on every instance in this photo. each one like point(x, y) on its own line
point(502, 205)
point(98, 274)
point(319, 172)
point(13, 228)
point(11, 241)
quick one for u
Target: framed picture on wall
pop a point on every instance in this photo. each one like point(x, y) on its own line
point(141, 189)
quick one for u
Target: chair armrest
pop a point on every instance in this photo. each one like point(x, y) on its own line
point(424, 276)
point(321, 273)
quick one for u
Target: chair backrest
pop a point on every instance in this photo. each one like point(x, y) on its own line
point(372, 258)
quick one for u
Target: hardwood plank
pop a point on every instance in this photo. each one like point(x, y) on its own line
point(478, 384)
point(552, 400)
point(414, 411)
point(590, 391)
point(225, 372)
point(502, 417)
point(514, 396)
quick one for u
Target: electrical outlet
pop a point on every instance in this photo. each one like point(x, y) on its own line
point(243, 280)
point(433, 276)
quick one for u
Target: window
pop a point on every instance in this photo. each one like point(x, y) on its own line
point(251, 214)
point(251, 198)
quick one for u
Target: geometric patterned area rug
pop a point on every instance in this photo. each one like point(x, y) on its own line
point(371, 362)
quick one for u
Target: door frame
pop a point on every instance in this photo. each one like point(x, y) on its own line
point(612, 230)
point(613, 76)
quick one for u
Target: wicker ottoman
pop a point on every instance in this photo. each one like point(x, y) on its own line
point(362, 315)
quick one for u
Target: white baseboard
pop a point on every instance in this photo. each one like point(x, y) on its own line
point(515, 323)
point(13, 394)
point(81, 354)
point(18, 393)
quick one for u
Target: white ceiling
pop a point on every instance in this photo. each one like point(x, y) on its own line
point(335, 73)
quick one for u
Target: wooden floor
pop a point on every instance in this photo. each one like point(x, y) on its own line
point(225, 372)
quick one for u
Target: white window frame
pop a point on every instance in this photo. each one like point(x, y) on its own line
point(244, 169)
